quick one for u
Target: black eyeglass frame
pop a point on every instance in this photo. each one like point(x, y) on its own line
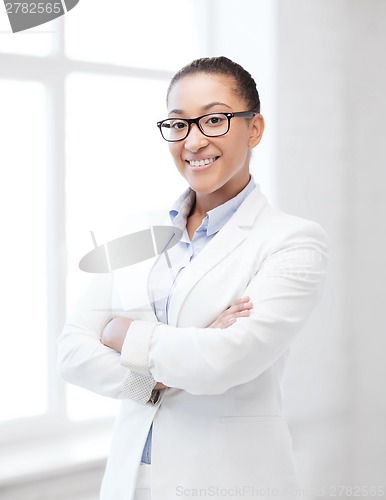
point(190, 121)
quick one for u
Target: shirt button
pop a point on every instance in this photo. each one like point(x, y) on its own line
point(160, 313)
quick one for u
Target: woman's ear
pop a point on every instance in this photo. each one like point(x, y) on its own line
point(256, 130)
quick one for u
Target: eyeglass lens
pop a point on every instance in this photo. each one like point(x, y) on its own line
point(212, 125)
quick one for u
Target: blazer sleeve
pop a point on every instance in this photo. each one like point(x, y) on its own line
point(84, 361)
point(284, 291)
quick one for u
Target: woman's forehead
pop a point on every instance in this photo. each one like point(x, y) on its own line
point(201, 91)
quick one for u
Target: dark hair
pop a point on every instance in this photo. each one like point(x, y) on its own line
point(245, 84)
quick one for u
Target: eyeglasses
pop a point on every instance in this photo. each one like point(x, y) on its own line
point(211, 125)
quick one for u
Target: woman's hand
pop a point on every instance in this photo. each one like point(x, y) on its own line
point(114, 333)
point(240, 308)
point(160, 385)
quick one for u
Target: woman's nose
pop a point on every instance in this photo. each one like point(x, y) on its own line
point(196, 139)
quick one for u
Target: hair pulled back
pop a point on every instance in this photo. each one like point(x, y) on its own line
point(245, 85)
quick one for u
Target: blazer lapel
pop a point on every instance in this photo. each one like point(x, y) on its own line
point(233, 233)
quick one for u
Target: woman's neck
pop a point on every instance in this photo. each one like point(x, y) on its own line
point(207, 201)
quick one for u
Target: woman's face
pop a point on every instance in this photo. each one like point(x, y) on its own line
point(228, 170)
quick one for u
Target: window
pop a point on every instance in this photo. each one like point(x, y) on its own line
point(79, 136)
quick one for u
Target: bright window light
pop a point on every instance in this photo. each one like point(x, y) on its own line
point(147, 34)
point(23, 353)
point(38, 41)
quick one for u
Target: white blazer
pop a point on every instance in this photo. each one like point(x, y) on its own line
point(218, 430)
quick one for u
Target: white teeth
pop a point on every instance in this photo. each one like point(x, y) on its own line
point(201, 163)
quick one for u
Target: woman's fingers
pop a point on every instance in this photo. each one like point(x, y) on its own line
point(240, 301)
point(240, 308)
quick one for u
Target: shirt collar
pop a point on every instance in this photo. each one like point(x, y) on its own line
point(216, 218)
point(181, 208)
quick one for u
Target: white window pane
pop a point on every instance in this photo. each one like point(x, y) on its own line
point(23, 353)
point(147, 33)
point(117, 163)
point(38, 41)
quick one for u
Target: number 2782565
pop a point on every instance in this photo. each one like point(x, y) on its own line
point(33, 8)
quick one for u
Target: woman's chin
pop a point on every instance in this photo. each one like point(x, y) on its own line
point(203, 186)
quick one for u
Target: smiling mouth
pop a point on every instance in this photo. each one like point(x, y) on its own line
point(202, 163)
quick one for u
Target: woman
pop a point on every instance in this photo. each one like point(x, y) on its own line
point(199, 367)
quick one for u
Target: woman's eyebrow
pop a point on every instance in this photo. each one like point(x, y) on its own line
point(204, 108)
point(212, 104)
point(176, 112)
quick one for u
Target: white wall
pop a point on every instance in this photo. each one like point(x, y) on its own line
point(332, 77)
point(321, 69)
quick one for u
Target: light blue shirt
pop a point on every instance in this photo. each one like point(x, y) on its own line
point(167, 271)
